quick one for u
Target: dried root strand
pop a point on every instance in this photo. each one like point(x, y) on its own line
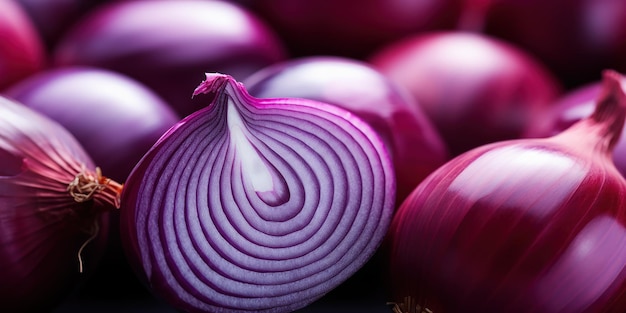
point(94, 233)
point(86, 186)
point(408, 305)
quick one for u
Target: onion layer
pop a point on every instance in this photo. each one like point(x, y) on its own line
point(532, 225)
point(51, 203)
point(256, 204)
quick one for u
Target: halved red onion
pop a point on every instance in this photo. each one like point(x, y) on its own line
point(258, 205)
point(52, 205)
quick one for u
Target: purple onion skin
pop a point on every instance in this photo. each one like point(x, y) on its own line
point(571, 107)
point(529, 225)
point(474, 88)
point(52, 18)
point(202, 237)
point(41, 226)
point(352, 28)
point(115, 118)
point(164, 43)
point(21, 49)
point(576, 39)
point(416, 147)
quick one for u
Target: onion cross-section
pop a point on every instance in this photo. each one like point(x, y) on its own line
point(256, 205)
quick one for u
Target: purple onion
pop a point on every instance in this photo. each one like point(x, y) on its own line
point(52, 18)
point(571, 107)
point(53, 202)
point(115, 118)
point(352, 28)
point(164, 43)
point(576, 39)
point(260, 205)
point(520, 226)
point(21, 49)
point(415, 146)
point(474, 88)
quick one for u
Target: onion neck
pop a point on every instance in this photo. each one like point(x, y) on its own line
point(603, 128)
point(88, 186)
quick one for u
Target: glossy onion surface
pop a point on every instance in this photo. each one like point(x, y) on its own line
point(258, 205)
point(533, 225)
point(474, 88)
point(571, 107)
point(164, 44)
point(416, 147)
point(42, 226)
point(115, 118)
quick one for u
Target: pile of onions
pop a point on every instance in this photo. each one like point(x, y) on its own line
point(352, 28)
point(21, 49)
point(53, 204)
point(260, 205)
point(527, 225)
point(115, 118)
point(474, 88)
point(576, 39)
point(163, 44)
point(415, 146)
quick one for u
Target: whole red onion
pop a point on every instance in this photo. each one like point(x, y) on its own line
point(352, 28)
point(256, 205)
point(53, 204)
point(163, 44)
point(576, 39)
point(115, 118)
point(527, 225)
point(21, 49)
point(475, 89)
point(415, 146)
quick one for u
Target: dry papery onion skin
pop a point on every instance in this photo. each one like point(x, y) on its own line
point(256, 205)
point(53, 204)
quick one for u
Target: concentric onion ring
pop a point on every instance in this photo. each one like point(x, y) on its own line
point(258, 205)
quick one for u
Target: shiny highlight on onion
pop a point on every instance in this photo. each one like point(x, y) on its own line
point(530, 225)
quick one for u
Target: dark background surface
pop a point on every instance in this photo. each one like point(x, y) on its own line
point(114, 288)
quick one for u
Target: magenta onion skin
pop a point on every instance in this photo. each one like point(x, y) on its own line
point(115, 118)
point(21, 49)
point(416, 147)
point(475, 89)
point(575, 39)
point(163, 43)
point(42, 226)
point(206, 232)
point(571, 107)
point(528, 225)
point(352, 28)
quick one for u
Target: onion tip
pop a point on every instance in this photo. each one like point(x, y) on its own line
point(211, 83)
